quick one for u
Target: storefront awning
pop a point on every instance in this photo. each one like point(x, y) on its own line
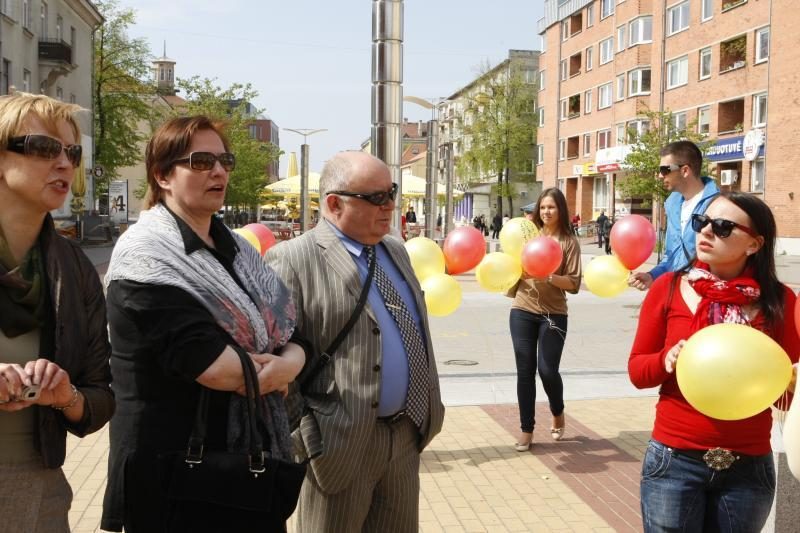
point(610, 159)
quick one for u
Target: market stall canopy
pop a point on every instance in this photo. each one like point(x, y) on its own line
point(291, 185)
point(415, 186)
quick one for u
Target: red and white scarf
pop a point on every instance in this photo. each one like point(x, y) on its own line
point(722, 300)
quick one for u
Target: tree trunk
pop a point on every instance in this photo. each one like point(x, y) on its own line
point(508, 193)
point(500, 193)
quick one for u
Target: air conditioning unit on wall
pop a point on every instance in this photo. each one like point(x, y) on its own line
point(728, 177)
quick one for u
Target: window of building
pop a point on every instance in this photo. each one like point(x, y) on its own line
point(733, 53)
point(540, 113)
point(73, 99)
point(757, 175)
point(603, 139)
point(600, 194)
point(762, 45)
point(562, 149)
point(575, 23)
point(59, 94)
point(573, 147)
point(606, 8)
point(587, 144)
point(59, 28)
point(679, 121)
point(730, 116)
point(575, 61)
point(575, 105)
point(639, 81)
point(677, 72)
point(564, 30)
point(606, 50)
point(706, 9)
point(641, 31)
point(705, 63)
point(72, 38)
point(620, 38)
point(564, 70)
point(730, 4)
point(5, 79)
point(26, 80)
point(541, 80)
point(621, 136)
point(677, 18)
point(543, 43)
point(587, 102)
point(604, 96)
point(564, 109)
point(621, 87)
point(4, 7)
point(704, 120)
point(539, 154)
point(26, 14)
point(636, 128)
point(760, 110)
point(43, 17)
point(590, 15)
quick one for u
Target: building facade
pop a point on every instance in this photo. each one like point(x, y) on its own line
point(714, 64)
point(47, 47)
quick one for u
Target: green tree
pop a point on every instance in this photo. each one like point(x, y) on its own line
point(122, 92)
point(233, 105)
point(500, 130)
point(641, 164)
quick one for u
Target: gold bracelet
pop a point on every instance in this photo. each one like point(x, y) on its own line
point(71, 403)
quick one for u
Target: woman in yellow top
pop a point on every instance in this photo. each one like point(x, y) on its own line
point(538, 319)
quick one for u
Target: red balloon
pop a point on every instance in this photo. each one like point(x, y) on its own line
point(463, 249)
point(797, 313)
point(541, 256)
point(632, 240)
point(264, 235)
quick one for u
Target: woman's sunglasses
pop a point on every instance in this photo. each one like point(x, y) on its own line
point(44, 147)
point(719, 226)
point(206, 160)
point(376, 198)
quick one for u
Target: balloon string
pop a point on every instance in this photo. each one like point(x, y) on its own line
point(552, 325)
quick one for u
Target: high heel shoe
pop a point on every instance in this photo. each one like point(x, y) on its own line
point(557, 431)
point(524, 446)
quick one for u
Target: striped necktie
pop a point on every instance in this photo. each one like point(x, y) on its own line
point(417, 400)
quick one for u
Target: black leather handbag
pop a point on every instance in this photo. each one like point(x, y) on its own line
point(244, 491)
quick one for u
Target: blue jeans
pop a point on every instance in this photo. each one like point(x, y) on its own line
point(681, 493)
point(538, 341)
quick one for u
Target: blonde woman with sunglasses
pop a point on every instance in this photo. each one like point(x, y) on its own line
point(700, 473)
point(54, 372)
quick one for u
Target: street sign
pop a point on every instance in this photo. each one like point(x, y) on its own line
point(98, 171)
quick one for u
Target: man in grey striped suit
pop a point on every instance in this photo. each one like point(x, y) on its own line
point(377, 404)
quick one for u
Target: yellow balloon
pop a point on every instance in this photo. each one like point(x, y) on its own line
point(442, 294)
point(605, 276)
point(732, 371)
point(250, 237)
point(515, 233)
point(498, 272)
point(426, 257)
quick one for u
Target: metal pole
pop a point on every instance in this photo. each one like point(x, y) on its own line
point(431, 173)
point(448, 205)
point(304, 218)
point(387, 90)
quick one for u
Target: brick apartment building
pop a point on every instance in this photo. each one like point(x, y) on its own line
point(714, 62)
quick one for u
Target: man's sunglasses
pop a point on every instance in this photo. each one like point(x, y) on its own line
point(719, 226)
point(376, 198)
point(44, 147)
point(666, 169)
point(206, 160)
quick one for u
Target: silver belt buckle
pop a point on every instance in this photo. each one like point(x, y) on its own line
point(719, 459)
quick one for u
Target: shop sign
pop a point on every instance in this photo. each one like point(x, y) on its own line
point(733, 148)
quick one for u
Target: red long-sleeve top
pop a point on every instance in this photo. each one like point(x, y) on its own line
point(662, 323)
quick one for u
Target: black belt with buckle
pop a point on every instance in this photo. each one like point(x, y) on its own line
point(716, 458)
point(392, 419)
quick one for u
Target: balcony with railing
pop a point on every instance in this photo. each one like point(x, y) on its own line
point(55, 50)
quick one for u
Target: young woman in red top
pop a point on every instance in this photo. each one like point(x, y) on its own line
point(732, 280)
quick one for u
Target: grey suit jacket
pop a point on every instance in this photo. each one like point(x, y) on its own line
point(344, 396)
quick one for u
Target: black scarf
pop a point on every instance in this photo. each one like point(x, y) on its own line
point(22, 306)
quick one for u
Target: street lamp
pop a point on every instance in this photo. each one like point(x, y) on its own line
point(431, 163)
point(305, 132)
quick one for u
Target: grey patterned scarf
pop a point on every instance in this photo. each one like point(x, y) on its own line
point(260, 321)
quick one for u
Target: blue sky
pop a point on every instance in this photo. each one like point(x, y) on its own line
point(310, 60)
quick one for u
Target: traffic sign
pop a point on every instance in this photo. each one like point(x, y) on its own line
point(98, 171)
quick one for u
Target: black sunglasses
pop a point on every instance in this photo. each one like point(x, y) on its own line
point(206, 160)
point(666, 169)
point(719, 226)
point(44, 147)
point(376, 198)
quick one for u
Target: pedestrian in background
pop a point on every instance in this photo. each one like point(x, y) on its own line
point(376, 405)
point(497, 225)
point(185, 296)
point(601, 227)
point(700, 473)
point(54, 373)
point(690, 194)
point(538, 319)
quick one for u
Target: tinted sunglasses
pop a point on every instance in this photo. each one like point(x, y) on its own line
point(44, 147)
point(666, 169)
point(719, 226)
point(206, 160)
point(376, 198)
